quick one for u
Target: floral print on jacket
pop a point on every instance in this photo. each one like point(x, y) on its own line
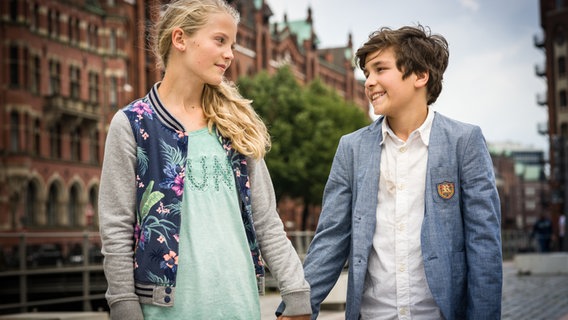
point(161, 158)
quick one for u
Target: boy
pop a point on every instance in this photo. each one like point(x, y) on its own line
point(411, 202)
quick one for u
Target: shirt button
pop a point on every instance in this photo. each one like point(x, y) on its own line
point(402, 149)
point(167, 299)
point(168, 290)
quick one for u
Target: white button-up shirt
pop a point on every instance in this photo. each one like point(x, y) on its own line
point(395, 284)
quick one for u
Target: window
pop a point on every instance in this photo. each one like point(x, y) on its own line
point(530, 205)
point(77, 31)
point(562, 99)
point(95, 37)
point(92, 34)
point(113, 94)
point(70, 29)
point(75, 82)
point(93, 216)
point(94, 146)
point(14, 74)
point(561, 67)
point(55, 141)
point(530, 191)
point(56, 24)
point(559, 36)
point(53, 23)
point(73, 206)
point(26, 68)
point(14, 131)
point(76, 145)
point(35, 75)
point(52, 206)
point(112, 42)
point(14, 10)
point(35, 17)
point(37, 137)
point(93, 87)
point(54, 77)
point(31, 201)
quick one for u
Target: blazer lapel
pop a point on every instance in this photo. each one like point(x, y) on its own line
point(368, 179)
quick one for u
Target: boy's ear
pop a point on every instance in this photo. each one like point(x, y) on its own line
point(422, 79)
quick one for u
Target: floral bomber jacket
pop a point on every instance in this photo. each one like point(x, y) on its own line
point(161, 156)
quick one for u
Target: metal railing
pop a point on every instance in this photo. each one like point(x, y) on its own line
point(513, 242)
point(23, 266)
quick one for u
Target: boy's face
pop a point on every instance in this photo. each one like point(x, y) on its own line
point(389, 94)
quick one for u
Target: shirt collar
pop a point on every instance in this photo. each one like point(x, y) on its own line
point(423, 131)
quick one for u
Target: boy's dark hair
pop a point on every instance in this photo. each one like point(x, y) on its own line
point(416, 51)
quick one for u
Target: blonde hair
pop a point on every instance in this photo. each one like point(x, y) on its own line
point(223, 105)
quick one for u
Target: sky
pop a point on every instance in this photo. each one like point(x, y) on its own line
point(490, 80)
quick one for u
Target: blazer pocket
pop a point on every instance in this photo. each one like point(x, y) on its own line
point(445, 187)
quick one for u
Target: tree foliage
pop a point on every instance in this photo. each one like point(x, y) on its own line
point(305, 124)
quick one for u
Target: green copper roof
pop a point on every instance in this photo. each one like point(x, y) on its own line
point(301, 29)
point(257, 4)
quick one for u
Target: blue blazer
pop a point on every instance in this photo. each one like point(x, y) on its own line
point(461, 237)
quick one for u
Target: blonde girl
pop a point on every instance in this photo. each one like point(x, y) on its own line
point(187, 208)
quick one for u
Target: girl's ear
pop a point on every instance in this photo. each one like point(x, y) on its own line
point(178, 40)
point(422, 79)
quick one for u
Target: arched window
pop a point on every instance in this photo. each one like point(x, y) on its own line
point(52, 206)
point(37, 137)
point(94, 207)
point(73, 209)
point(31, 209)
point(14, 131)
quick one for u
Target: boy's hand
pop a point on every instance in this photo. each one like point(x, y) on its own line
point(302, 317)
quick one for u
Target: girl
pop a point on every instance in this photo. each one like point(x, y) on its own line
point(186, 201)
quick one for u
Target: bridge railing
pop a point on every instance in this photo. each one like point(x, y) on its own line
point(29, 260)
point(80, 256)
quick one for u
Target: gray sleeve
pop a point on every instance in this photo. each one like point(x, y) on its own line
point(117, 215)
point(277, 251)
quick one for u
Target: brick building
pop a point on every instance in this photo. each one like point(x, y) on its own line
point(69, 65)
point(554, 43)
point(521, 183)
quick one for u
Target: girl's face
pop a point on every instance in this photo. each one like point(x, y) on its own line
point(209, 51)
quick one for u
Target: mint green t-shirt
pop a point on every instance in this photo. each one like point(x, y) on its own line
point(215, 277)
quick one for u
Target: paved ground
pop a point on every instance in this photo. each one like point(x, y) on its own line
point(528, 297)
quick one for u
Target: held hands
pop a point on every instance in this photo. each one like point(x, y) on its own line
point(302, 317)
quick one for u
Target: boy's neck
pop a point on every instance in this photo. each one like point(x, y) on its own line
point(405, 125)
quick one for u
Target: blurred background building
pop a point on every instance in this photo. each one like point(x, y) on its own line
point(69, 65)
point(554, 44)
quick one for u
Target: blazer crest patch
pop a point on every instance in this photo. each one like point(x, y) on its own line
point(446, 190)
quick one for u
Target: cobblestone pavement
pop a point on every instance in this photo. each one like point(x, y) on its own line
point(533, 297)
point(525, 297)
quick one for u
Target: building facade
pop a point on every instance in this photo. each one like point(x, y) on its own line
point(554, 43)
point(522, 185)
point(69, 65)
